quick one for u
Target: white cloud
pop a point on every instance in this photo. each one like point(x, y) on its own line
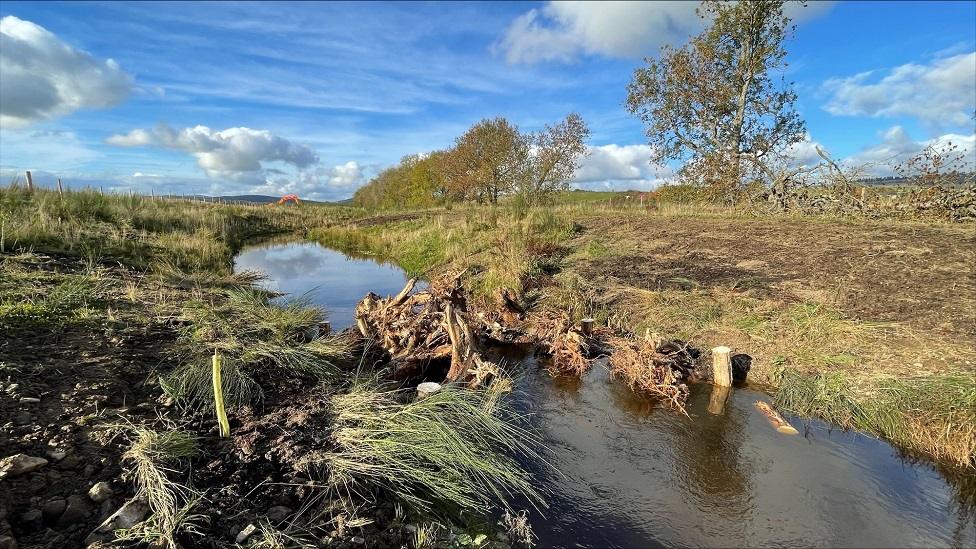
point(319, 183)
point(44, 78)
point(235, 153)
point(620, 167)
point(349, 174)
point(562, 31)
point(940, 93)
point(897, 146)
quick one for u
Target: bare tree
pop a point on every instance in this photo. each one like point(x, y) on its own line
point(554, 158)
point(713, 102)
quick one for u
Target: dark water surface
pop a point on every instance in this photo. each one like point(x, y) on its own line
point(630, 473)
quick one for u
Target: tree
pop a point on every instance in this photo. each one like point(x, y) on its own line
point(553, 158)
point(487, 159)
point(713, 104)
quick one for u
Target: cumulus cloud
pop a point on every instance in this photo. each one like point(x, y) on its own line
point(620, 167)
point(318, 183)
point(940, 93)
point(44, 78)
point(234, 153)
point(561, 31)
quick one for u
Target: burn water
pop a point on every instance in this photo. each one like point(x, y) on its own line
point(626, 471)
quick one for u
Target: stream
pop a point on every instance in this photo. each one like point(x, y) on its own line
point(628, 472)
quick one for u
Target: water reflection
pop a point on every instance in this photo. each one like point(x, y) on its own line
point(628, 472)
point(327, 277)
point(632, 473)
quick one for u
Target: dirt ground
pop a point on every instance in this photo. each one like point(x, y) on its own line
point(921, 276)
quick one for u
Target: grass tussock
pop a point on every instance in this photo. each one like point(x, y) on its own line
point(155, 457)
point(932, 414)
point(456, 449)
point(66, 302)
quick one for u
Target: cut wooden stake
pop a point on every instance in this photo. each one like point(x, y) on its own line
point(325, 328)
point(718, 399)
point(775, 419)
point(722, 366)
point(427, 388)
point(30, 182)
point(586, 326)
point(60, 189)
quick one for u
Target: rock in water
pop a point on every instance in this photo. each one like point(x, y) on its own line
point(20, 464)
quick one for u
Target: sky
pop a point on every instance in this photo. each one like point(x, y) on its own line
point(315, 99)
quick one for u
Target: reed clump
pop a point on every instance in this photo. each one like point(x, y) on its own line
point(454, 450)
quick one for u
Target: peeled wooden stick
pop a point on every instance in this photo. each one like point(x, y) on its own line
point(775, 419)
point(722, 366)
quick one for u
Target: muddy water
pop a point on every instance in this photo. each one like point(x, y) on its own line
point(629, 473)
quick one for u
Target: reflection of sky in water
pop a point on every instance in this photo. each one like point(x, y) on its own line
point(327, 277)
point(634, 475)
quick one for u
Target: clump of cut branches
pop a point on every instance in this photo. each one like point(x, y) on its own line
point(455, 449)
point(654, 366)
point(154, 457)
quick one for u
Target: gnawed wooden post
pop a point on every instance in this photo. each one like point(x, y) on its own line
point(586, 326)
point(722, 366)
point(776, 420)
point(718, 399)
point(30, 182)
point(427, 388)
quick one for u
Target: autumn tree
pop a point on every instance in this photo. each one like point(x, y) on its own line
point(487, 160)
point(714, 103)
point(554, 156)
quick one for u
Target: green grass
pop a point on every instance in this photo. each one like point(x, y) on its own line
point(455, 450)
point(67, 302)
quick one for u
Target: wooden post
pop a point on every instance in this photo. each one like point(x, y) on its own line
point(722, 366)
point(325, 328)
point(586, 326)
point(30, 182)
point(427, 388)
point(718, 399)
point(776, 420)
point(60, 189)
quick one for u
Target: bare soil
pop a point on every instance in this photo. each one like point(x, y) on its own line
point(918, 275)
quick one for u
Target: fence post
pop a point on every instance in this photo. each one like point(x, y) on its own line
point(60, 189)
point(30, 182)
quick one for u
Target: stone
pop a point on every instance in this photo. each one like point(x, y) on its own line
point(56, 455)
point(29, 400)
point(32, 520)
point(127, 516)
point(101, 491)
point(358, 540)
point(278, 513)
point(20, 464)
point(53, 509)
point(247, 532)
point(7, 542)
point(78, 510)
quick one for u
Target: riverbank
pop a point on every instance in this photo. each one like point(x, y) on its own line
point(111, 309)
point(865, 323)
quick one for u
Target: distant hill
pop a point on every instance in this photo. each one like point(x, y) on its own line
point(250, 198)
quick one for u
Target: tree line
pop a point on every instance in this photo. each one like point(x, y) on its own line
point(491, 160)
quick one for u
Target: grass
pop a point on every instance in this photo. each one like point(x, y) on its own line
point(155, 456)
point(69, 300)
point(935, 414)
point(456, 449)
point(499, 247)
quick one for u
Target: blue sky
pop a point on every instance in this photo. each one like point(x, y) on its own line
point(225, 98)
